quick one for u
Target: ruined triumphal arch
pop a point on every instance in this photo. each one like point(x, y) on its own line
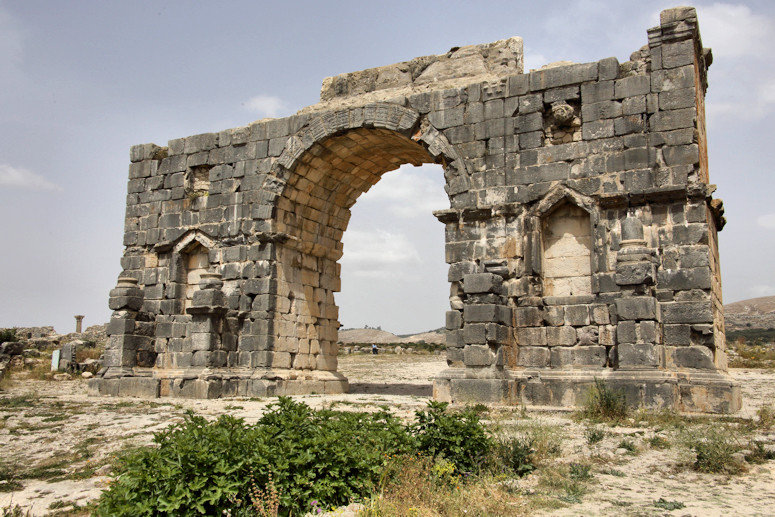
point(580, 238)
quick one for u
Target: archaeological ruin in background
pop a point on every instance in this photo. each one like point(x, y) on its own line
point(581, 238)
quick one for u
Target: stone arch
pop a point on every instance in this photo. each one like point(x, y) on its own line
point(325, 167)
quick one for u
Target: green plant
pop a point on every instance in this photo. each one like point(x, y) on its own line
point(605, 404)
point(14, 510)
point(203, 467)
point(714, 447)
point(668, 505)
point(579, 471)
point(658, 442)
point(759, 453)
point(458, 437)
point(627, 445)
point(594, 435)
point(766, 416)
point(7, 335)
point(516, 454)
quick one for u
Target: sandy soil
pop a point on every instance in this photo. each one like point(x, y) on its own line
point(56, 425)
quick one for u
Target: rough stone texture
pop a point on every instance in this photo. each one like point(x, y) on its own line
point(581, 232)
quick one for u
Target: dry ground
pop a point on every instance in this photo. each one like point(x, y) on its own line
point(58, 442)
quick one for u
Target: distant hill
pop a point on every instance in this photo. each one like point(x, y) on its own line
point(752, 313)
point(350, 336)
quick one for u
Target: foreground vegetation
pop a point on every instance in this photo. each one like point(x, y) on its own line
point(438, 461)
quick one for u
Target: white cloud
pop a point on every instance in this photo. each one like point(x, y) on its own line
point(376, 253)
point(766, 221)
point(14, 177)
point(733, 30)
point(742, 84)
point(266, 105)
point(408, 193)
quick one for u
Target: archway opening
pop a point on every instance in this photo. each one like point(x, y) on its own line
point(393, 270)
point(314, 212)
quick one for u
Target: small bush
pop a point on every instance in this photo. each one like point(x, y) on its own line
point(205, 467)
point(759, 453)
point(627, 445)
point(668, 505)
point(516, 455)
point(766, 416)
point(658, 442)
point(605, 404)
point(714, 447)
point(7, 335)
point(594, 435)
point(457, 437)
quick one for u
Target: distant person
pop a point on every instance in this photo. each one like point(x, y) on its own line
point(374, 348)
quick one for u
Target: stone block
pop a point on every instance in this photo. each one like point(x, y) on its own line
point(459, 270)
point(626, 332)
point(497, 334)
point(647, 332)
point(528, 316)
point(684, 279)
point(561, 336)
point(597, 92)
point(487, 313)
point(474, 333)
point(208, 298)
point(677, 335)
point(698, 357)
point(600, 314)
point(579, 357)
point(454, 338)
point(636, 273)
point(632, 86)
point(681, 155)
point(577, 315)
point(531, 336)
point(141, 387)
point(533, 357)
point(478, 355)
point(454, 320)
point(636, 308)
point(588, 335)
point(670, 120)
point(494, 391)
point(562, 76)
point(637, 355)
point(482, 283)
point(554, 315)
point(608, 68)
point(687, 312)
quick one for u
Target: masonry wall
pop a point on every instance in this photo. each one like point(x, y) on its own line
point(529, 159)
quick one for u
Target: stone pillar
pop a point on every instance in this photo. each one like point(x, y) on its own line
point(207, 311)
point(126, 299)
point(78, 322)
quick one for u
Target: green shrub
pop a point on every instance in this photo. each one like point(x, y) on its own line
point(605, 404)
point(516, 455)
point(7, 335)
point(714, 447)
point(202, 467)
point(594, 435)
point(458, 437)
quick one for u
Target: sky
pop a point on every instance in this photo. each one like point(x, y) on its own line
point(82, 81)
